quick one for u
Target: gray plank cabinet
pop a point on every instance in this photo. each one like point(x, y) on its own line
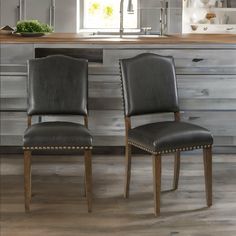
point(43, 10)
point(206, 84)
point(11, 11)
point(60, 14)
point(13, 74)
point(65, 16)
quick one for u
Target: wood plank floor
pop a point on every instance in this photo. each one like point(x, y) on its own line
point(59, 209)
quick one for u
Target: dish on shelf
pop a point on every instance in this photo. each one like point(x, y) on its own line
point(203, 21)
point(194, 27)
point(205, 2)
point(210, 15)
point(29, 34)
point(6, 30)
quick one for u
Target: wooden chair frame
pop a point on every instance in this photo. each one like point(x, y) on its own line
point(156, 160)
point(27, 173)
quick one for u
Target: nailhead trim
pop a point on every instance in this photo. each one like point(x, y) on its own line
point(168, 151)
point(122, 88)
point(147, 149)
point(59, 148)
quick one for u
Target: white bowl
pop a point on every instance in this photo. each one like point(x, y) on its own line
point(205, 2)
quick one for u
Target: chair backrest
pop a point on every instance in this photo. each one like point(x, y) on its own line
point(149, 84)
point(57, 85)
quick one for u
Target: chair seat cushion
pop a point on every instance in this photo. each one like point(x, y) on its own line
point(57, 135)
point(169, 136)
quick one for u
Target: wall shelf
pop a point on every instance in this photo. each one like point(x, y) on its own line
point(208, 19)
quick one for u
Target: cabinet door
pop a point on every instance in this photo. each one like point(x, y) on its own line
point(65, 16)
point(38, 10)
point(10, 12)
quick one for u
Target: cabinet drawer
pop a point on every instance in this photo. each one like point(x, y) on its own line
point(11, 69)
point(13, 123)
point(207, 86)
point(13, 87)
point(184, 58)
point(16, 54)
point(13, 104)
point(12, 126)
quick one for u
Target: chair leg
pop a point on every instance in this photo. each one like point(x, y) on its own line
point(85, 175)
point(176, 170)
point(127, 169)
point(207, 157)
point(27, 179)
point(156, 160)
point(88, 179)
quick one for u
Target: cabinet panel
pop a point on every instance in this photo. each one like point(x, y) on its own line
point(175, 17)
point(189, 86)
point(66, 16)
point(108, 127)
point(198, 58)
point(13, 70)
point(13, 87)
point(38, 10)
point(105, 90)
point(9, 12)
point(114, 69)
point(12, 126)
point(13, 104)
point(13, 123)
point(196, 92)
point(149, 17)
point(16, 53)
point(207, 86)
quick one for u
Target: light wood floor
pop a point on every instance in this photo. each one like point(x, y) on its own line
point(59, 208)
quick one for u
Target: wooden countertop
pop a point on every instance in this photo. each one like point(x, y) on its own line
point(73, 38)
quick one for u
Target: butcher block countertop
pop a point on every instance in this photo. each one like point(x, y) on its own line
point(73, 38)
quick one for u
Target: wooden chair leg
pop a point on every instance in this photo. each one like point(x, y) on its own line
point(84, 194)
point(207, 158)
point(156, 160)
point(176, 170)
point(88, 179)
point(27, 179)
point(127, 169)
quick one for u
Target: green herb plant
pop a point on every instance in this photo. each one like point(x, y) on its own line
point(32, 26)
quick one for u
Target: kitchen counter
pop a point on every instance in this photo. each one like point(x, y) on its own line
point(74, 38)
point(206, 78)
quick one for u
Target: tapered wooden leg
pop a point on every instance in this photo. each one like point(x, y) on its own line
point(127, 169)
point(84, 175)
point(176, 170)
point(207, 157)
point(88, 179)
point(156, 160)
point(27, 179)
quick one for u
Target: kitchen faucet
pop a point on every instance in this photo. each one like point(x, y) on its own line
point(130, 10)
point(163, 18)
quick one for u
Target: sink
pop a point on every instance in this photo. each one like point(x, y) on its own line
point(145, 36)
point(95, 36)
point(125, 36)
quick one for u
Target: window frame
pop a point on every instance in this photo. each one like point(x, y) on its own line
point(80, 20)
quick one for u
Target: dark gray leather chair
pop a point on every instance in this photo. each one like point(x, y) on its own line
point(149, 86)
point(57, 85)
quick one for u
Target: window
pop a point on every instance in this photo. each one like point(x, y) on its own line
point(105, 14)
